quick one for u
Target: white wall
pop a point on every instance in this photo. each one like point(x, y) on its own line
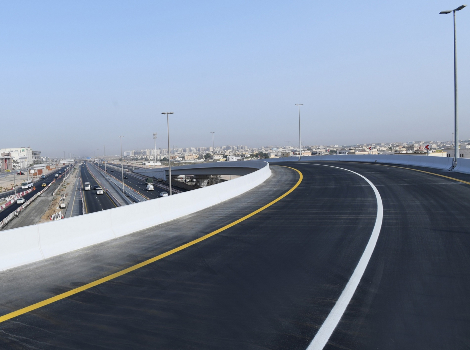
point(424, 161)
point(32, 243)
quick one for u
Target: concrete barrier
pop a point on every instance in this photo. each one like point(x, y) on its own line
point(33, 243)
point(442, 163)
point(463, 166)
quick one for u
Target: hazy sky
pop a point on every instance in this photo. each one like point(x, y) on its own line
point(74, 75)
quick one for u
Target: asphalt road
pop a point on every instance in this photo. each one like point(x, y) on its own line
point(49, 178)
point(94, 202)
point(270, 281)
point(136, 184)
point(33, 213)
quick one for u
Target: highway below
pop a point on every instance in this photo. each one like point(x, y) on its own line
point(92, 201)
point(271, 280)
point(38, 187)
point(136, 183)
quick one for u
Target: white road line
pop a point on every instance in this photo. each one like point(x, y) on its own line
point(329, 325)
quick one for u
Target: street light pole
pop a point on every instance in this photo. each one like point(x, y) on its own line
point(456, 127)
point(300, 144)
point(155, 151)
point(213, 148)
point(169, 158)
point(122, 167)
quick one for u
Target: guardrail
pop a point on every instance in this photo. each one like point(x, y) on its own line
point(443, 163)
point(37, 242)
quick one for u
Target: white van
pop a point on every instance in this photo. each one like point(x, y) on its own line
point(27, 184)
point(87, 186)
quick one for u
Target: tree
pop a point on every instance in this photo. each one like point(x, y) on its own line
point(207, 156)
point(260, 155)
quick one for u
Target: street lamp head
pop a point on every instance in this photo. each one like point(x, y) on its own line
point(299, 104)
point(444, 12)
point(460, 7)
point(167, 112)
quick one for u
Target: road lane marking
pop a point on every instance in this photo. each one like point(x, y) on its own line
point(74, 291)
point(330, 323)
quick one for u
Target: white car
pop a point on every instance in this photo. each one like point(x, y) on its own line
point(99, 190)
point(20, 201)
point(149, 187)
point(163, 194)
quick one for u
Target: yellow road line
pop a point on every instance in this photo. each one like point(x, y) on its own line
point(71, 292)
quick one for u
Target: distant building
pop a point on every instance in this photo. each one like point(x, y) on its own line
point(22, 157)
point(5, 161)
point(37, 157)
point(463, 152)
point(189, 157)
point(286, 154)
point(233, 159)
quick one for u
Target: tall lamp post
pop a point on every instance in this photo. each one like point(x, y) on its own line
point(155, 151)
point(456, 127)
point(300, 144)
point(169, 158)
point(213, 148)
point(122, 166)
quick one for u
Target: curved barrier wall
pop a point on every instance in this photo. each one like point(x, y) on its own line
point(32, 243)
point(443, 163)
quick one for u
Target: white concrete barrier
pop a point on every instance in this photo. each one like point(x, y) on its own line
point(33, 243)
point(424, 161)
point(463, 166)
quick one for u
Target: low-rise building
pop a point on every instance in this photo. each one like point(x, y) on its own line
point(22, 157)
point(5, 161)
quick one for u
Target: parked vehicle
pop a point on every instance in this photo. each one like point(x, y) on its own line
point(149, 187)
point(87, 186)
point(163, 194)
point(43, 176)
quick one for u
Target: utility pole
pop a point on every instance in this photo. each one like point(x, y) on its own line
point(300, 144)
point(122, 167)
point(456, 128)
point(155, 144)
point(213, 148)
point(169, 158)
